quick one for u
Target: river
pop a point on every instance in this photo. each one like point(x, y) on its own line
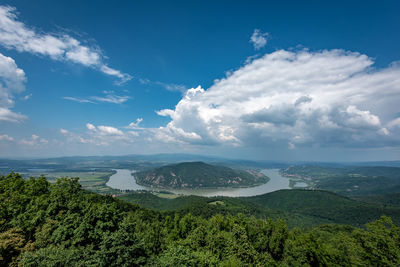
point(124, 180)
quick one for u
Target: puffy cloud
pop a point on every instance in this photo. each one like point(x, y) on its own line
point(16, 35)
point(109, 130)
point(258, 39)
point(35, 140)
point(63, 131)
point(135, 125)
point(394, 123)
point(12, 81)
point(325, 98)
point(102, 135)
point(170, 133)
point(5, 137)
point(90, 126)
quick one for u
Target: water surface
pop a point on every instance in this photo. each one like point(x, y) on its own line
point(124, 180)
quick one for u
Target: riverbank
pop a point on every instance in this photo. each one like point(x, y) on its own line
point(123, 180)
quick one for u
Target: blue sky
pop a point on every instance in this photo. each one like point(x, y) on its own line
point(260, 80)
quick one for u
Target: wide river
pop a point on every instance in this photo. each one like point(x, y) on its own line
point(124, 180)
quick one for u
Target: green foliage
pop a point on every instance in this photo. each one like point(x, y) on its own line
point(60, 224)
point(349, 180)
point(299, 208)
point(198, 175)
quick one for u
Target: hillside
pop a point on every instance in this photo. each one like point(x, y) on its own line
point(198, 175)
point(299, 208)
point(348, 180)
point(43, 224)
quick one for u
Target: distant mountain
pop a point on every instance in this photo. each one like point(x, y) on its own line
point(198, 175)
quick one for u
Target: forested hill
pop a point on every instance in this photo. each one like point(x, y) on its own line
point(299, 208)
point(43, 224)
point(198, 175)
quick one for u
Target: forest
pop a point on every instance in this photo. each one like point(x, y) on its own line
point(60, 224)
point(199, 175)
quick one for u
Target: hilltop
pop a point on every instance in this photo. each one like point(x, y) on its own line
point(198, 175)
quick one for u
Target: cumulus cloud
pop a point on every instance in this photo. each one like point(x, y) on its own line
point(63, 131)
point(16, 35)
point(109, 130)
point(135, 125)
point(302, 98)
point(100, 135)
point(35, 140)
point(394, 123)
point(90, 126)
point(5, 137)
point(258, 39)
point(12, 81)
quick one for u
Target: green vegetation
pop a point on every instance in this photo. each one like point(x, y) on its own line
point(299, 208)
point(44, 224)
point(198, 175)
point(350, 181)
point(217, 202)
point(91, 180)
point(388, 199)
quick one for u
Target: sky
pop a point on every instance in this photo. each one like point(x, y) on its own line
point(263, 80)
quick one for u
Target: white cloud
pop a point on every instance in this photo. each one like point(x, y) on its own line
point(100, 136)
point(12, 81)
point(76, 99)
point(325, 98)
point(258, 39)
point(26, 97)
point(133, 133)
point(84, 56)
point(63, 131)
point(109, 130)
point(114, 99)
point(165, 112)
point(124, 77)
point(35, 140)
point(8, 115)
point(16, 35)
point(170, 133)
point(90, 126)
point(168, 86)
point(5, 137)
point(135, 125)
point(108, 98)
point(172, 87)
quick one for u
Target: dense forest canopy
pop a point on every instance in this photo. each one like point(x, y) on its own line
point(198, 175)
point(43, 224)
